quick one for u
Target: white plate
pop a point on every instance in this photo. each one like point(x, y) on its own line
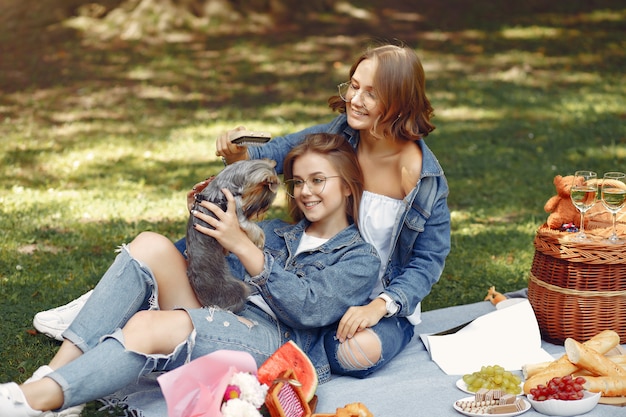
point(467, 413)
point(460, 384)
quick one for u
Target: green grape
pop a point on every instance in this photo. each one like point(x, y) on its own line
point(493, 377)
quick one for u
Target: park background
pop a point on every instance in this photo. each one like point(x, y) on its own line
point(109, 112)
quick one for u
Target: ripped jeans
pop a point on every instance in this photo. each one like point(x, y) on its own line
point(127, 287)
point(394, 333)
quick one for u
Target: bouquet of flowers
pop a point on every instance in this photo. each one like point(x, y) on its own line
point(220, 384)
point(244, 396)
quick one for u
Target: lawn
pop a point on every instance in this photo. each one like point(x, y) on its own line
point(100, 139)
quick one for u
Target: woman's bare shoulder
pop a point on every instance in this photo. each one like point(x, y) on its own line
point(410, 166)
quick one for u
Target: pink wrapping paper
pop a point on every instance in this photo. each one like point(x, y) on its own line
point(197, 389)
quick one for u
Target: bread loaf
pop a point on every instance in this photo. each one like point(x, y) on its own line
point(531, 369)
point(601, 343)
point(587, 358)
point(609, 386)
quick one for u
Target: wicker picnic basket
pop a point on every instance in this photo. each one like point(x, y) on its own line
point(577, 289)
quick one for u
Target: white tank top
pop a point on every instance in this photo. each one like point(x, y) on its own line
point(378, 215)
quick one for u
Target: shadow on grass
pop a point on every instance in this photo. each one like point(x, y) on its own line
point(99, 140)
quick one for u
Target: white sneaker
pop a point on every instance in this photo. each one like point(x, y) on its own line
point(39, 373)
point(13, 403)
point(53, 322)
point(68, 412)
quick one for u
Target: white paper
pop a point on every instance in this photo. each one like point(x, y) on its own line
point(508, 337)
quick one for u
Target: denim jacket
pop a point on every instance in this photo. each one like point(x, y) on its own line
point(312, 289)
point(421, 239)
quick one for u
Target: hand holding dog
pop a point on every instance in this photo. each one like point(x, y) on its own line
point(227, 231)
point(191, 195)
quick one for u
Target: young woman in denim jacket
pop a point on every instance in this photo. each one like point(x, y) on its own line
point(307, 276)
point(384, 114)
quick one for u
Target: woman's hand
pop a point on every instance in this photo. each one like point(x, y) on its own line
point(359, 318)
point(191, 195)
point(228, 150)
point(227, 231)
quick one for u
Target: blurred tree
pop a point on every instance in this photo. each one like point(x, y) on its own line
point(142, 19)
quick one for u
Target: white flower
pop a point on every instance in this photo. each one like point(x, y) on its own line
point(239, 408)
point(252, 391)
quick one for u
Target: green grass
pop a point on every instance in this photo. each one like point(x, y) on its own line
point(100, 140)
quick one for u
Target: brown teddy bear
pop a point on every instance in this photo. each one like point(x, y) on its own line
point(562, 211)
point(560, 206)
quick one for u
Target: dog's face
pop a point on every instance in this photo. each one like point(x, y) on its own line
point(259, 188)
point(253, 183)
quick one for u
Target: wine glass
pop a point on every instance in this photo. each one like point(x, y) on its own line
point(583, 194)
point(613, 198)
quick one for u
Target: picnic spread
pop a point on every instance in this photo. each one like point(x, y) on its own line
point(410, 385)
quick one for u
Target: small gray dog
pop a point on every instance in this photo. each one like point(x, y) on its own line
point(254, 184)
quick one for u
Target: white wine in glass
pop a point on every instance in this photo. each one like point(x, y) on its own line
point(583, 194)
point(613, 198)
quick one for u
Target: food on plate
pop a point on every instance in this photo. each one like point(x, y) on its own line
point(493, 377)
point(560, 388)
point(601, 343)
point(566, 408)
point(592, 361)
point(492, 402)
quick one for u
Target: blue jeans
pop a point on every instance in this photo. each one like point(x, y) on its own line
point(127, 287)
point(394, 333)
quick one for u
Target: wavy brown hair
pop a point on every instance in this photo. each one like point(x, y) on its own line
point(336, 149)
point(400, 85)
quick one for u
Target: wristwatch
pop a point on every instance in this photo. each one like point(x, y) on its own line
point(391, 306)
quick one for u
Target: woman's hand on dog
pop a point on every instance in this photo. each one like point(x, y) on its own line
point(191, 195)
point(228, 233)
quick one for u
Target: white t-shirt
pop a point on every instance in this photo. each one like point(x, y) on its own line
point(378, 216)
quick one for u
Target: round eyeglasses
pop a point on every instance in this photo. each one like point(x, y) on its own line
point(315, 184)
point(348, 92)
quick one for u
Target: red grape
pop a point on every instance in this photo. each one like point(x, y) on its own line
point(560, 388)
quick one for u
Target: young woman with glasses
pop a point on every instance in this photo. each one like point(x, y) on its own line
point(309, 273)
point(384, 114)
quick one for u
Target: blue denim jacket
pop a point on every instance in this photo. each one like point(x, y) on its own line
point(312, 289)
point(421, 239)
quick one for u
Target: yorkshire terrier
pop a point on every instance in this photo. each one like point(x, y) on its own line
point(253, 183)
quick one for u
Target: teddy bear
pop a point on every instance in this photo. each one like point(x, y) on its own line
point(560, 207)
point(563, 212)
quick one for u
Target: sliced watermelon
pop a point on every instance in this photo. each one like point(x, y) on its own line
point(290, 356)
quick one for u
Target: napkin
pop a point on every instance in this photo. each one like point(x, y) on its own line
point(508, 337)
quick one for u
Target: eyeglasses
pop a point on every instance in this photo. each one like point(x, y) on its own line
point(348, 92)
point(316, 184)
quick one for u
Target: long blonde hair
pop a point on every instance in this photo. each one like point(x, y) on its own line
point(400, 85)
point(338, 151)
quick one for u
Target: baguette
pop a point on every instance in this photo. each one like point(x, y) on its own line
point(601, 343)
point(589, 359)
point(531, 369)
point(609, 386)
